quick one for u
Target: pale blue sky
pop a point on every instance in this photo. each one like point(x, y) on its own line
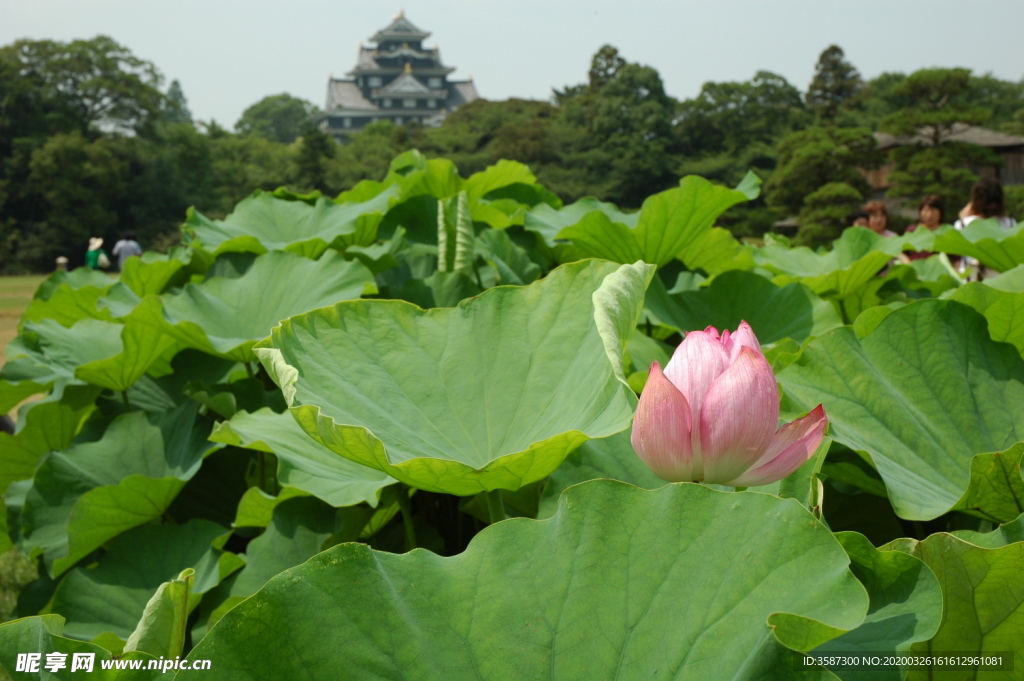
point(228, 54)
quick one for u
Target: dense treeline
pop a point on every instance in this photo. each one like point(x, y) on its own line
point(92, 144)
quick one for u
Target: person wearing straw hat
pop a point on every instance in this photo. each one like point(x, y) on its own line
point(96, 257)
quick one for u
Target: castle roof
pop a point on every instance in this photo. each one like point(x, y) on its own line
point(400, 29)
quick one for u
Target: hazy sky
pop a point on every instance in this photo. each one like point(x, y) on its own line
point(228, 54)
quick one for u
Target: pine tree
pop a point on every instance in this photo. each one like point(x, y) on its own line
point(835, 81)
point(176, 108)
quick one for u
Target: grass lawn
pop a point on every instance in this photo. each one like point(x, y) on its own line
point(15, 570)
point(15, 294)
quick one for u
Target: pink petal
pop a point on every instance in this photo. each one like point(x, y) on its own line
point(661, 429)
point(793, 445)
point(743, 338)
point(695, 364)
point(738, 417)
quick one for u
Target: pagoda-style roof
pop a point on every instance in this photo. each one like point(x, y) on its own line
point(400, 29)
point(959, 132)
point(344, 94)
point(405, 84)
point(406, 51)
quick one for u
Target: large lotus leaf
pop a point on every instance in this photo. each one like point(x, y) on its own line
point(154, 273)
point(44, 635)
point(716, 251)
point(774, 312)
point(547, 221)
point(668, 223)
point(613, 458)
point(498, 176)
point(683, 581)
point(906, 608)
point(93, 491)
point(262, 223)
point(489, 395)
point(298, 530)
point(106, 354)
point(75, 279)
point(225, 316)
point(110, 597)
point(67, 305)
point(853, 261)
point(511, 262)
point(47, 425)
point(1004, 535)
point(302, 462)
point(921, 394)
point(1004, 311)
point(1011, 281)
point(983, 607)
point(996, 247)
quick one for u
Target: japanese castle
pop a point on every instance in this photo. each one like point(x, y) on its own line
point(396, 79)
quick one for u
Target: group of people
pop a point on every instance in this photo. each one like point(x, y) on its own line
point(97, 259)
point(987, 202)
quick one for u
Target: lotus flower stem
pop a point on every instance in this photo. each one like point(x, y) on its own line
point(124, 398)
point(405, 506)
point(495, 506)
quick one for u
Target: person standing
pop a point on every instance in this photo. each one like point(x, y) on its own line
point(96, 258)
point(126, 248)
point(986, 203)
point(930, 212)
point(878, 219)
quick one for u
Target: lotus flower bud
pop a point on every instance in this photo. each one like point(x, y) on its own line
point(712, 415)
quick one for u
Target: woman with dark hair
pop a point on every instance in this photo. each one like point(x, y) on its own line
point(986, 203)
point(930, 211)
point(878, 219)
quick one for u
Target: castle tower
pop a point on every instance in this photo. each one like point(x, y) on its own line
point(396, 79)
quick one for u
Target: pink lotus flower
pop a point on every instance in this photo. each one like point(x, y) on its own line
point(712, 415)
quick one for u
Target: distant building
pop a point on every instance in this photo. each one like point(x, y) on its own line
point(1009, 147)
point(396, 79)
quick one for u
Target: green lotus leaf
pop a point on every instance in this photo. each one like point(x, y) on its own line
point(47, 425)
point(1003, 310)
point(298, 531)
point(996, 490)
point(613, 458)
point(1011, 281)
point(256, 509)
point(511, 262)
point(82, 277)
point(302, 462)
point(264, 223)
point(906, 607)
point(996, 247)
point(106, 354)
point(774, 312)
point(43, 635)
point(922, 394)
point(225, 316)
point(1004, 535)
point(620, 583)
point(983, 608)
point(93, 491)
point(154, 273)
point(498, 176)
point(67, 305)
point(489, 395)
point(163, 626)
point(855, 259)
point(111, 596)
point(716, 251)
point(667, 224)
point(547, 221)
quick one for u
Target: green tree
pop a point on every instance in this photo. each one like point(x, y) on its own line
point(176, 107)
point(812, 158)
point(278, 118)
point(823, 215)
point(97, 83)
point(312, 158)
point(729, 117)
point(929, 161)
point(835, 83)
